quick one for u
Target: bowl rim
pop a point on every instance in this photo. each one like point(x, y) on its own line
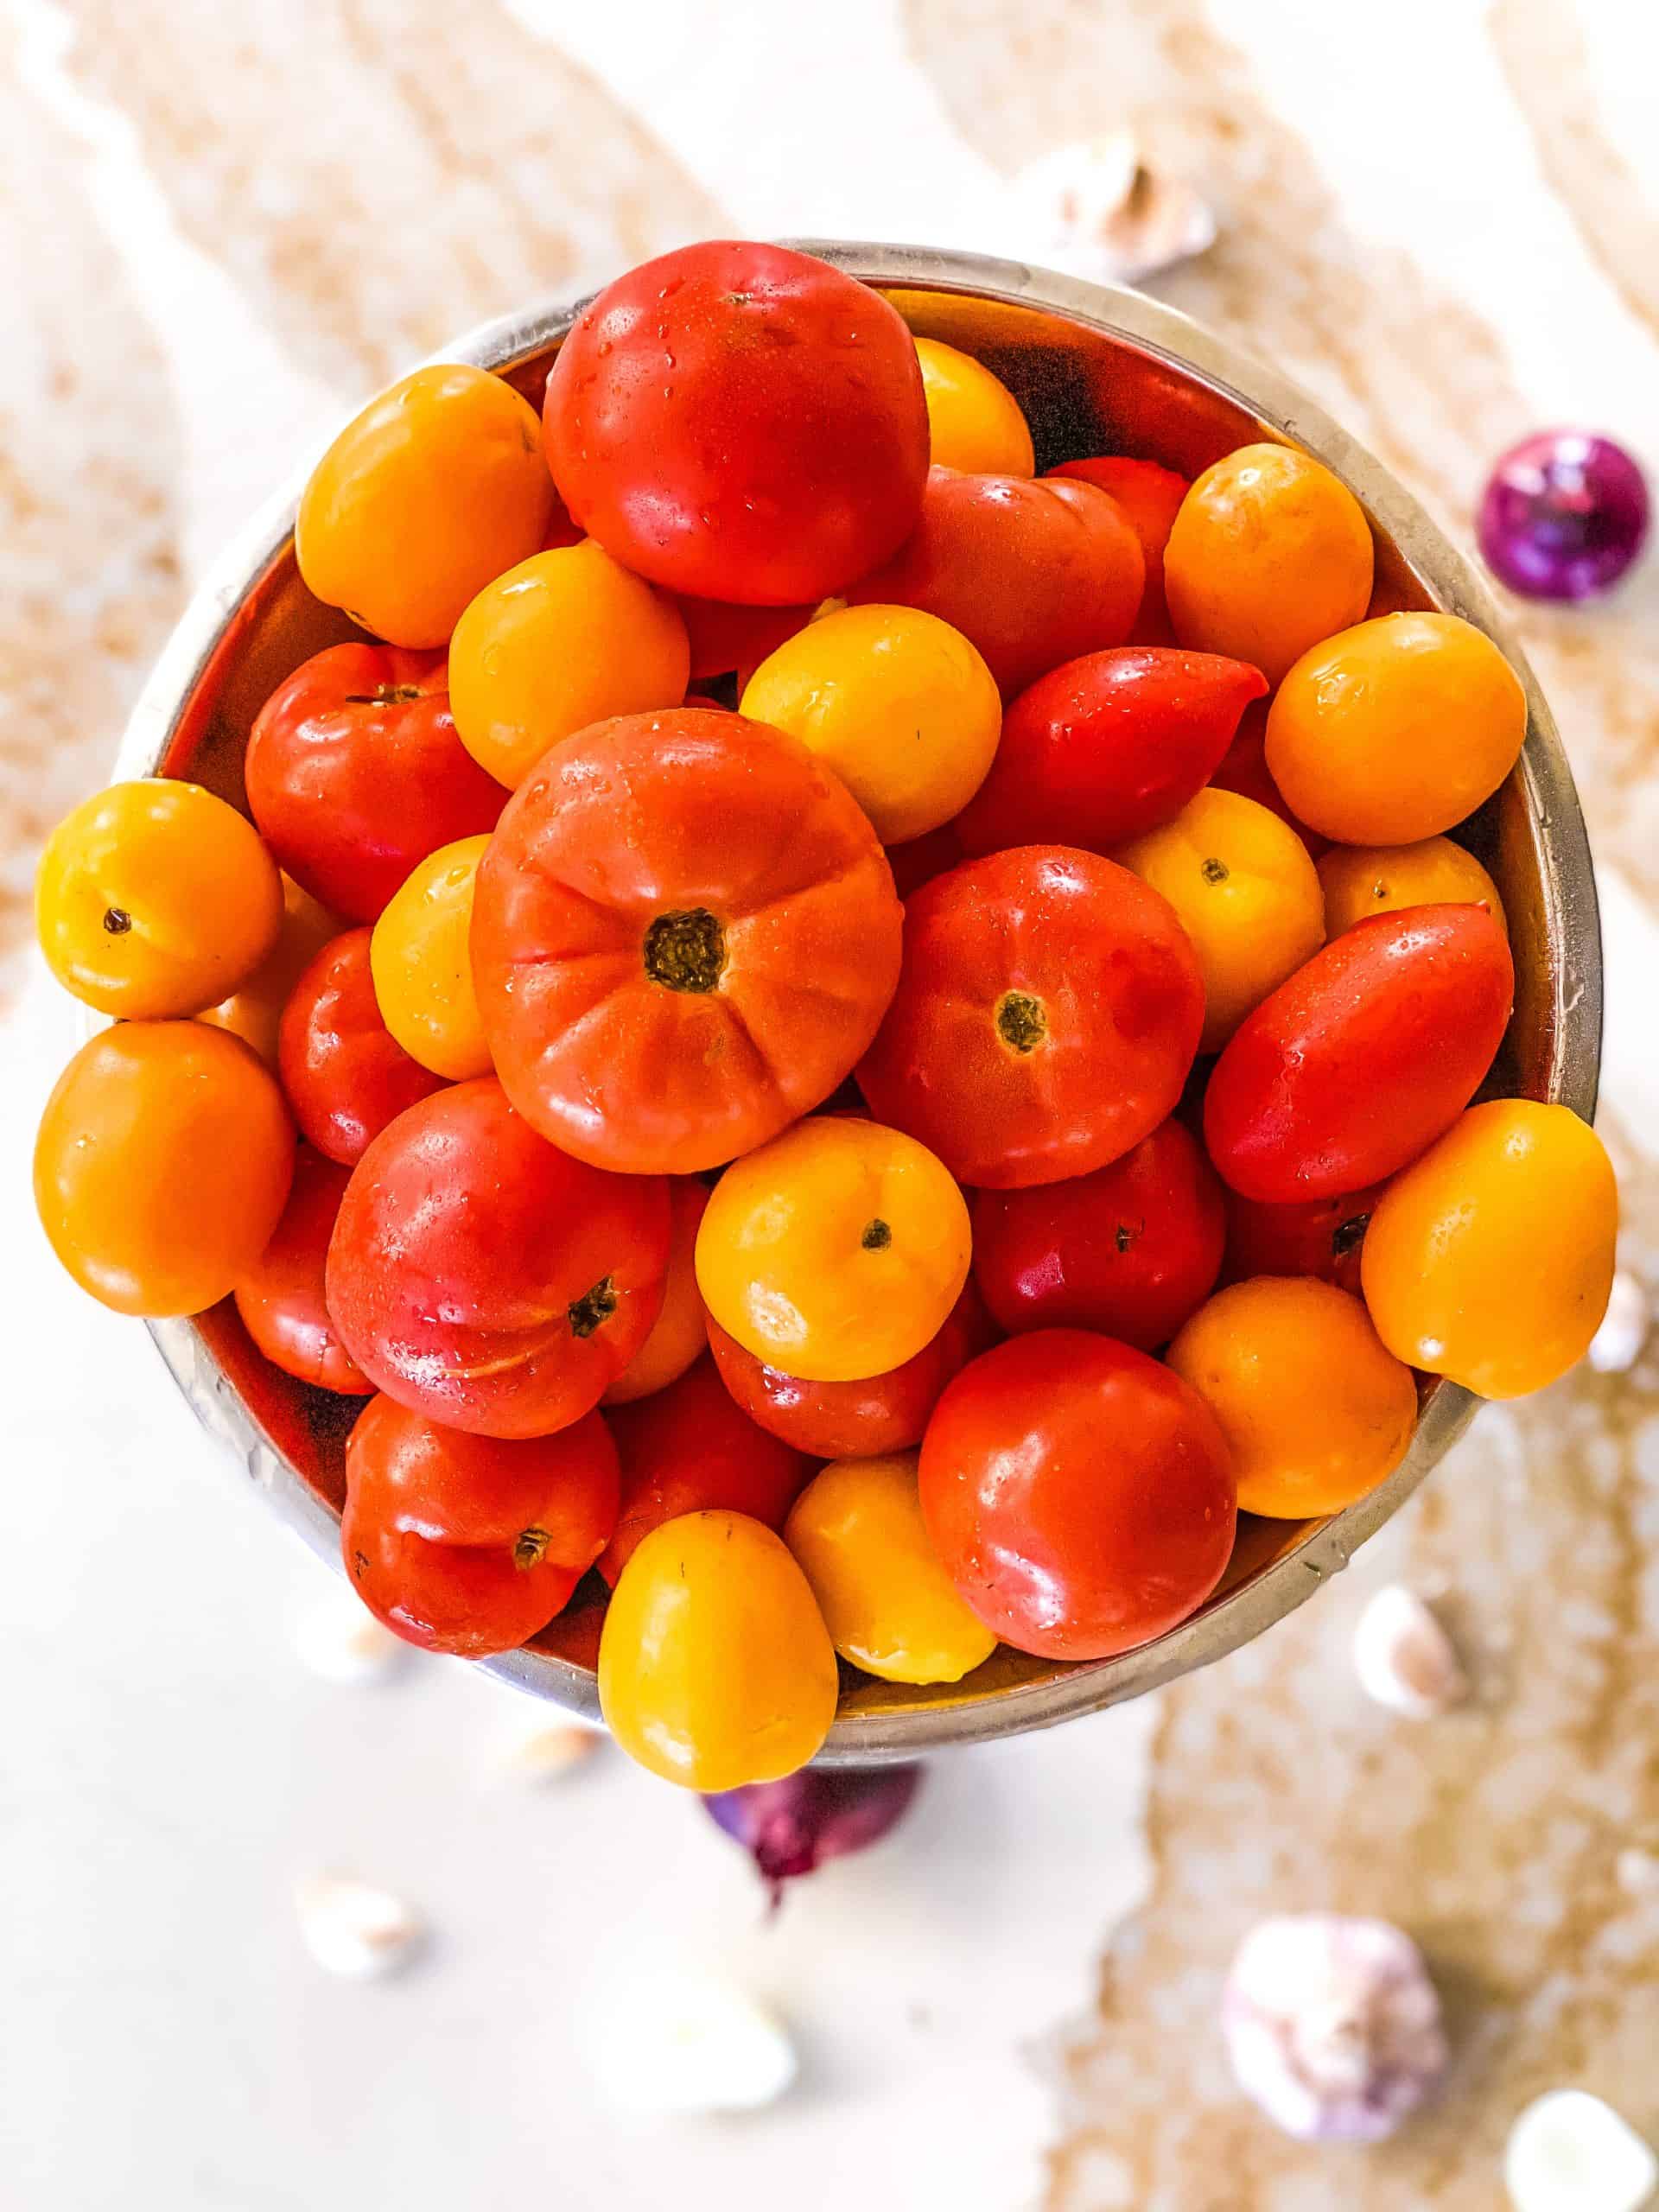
point(1285, 413)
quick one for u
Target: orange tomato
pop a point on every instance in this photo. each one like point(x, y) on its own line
point(1490, 1259)
point(1247, 895)
point(420, 956)
point(162, 1166)
point(835, 1251)
point(566, 638)
point(436, 487)
point(1393, 730)
point(154, 898)
point(254, 1012)
point(1268, 554)
point(1362, 879)
point(1315, 1410)
point(974, 421)
point(679, 1334)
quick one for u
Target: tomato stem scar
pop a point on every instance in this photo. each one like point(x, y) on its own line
point(877, 1236)
point(685, 951)
point(1214, 871)
point(117, 920)
point(594, 1306)
point(387, 694)
point(1021, 1022)
point(529, 1546)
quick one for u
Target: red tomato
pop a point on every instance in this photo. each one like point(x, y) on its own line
point(1079, 1494)
point(740, 422)
point(854, 1420)
point(726, 637)
point(1130, 1250)
point(345, 1075)
point(281, 1300)
point(1049, 1008)
point(919, 859)
point(470, 1544)
point(1357, 1064)
point(690, 1448)
point(684, 935)
point(1108, 748)
point(1321, 1237)
point(354, 773)
point(1244, 769)
point(1150, 497)
point(1033, 572)
point(481, 1277)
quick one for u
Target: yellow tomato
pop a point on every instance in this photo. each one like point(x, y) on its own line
point(1268, 554)
point(254, 1012)
point(835, 1252)
point(1393, 730)
point(1246, 894)
point(567, 637)
point(888, 1604)
point(897, 702)
point(436, 487)
point(716, 1668)
point(1315, 1411)
point(155, 898)
point(420, 956)
point(680, 1332)
point(1490, 1260)
point(162, 1166)
point(974, 421)
point(1359, 880)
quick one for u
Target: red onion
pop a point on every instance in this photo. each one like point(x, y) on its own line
point(790, 1826)
point(1563, 515)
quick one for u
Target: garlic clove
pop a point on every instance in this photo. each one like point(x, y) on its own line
point(1570, 2152)
point(352, 1928)
point(1617, 1344)
point(1404, 1658)
point(681, 2042)
point(551, 1754)
point(340, 1641)
point(1096, 208)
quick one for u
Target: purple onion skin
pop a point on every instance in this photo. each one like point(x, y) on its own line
point(1563, 516)
point(790, 1827)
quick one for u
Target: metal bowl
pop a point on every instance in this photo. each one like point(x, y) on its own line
point(1095, 369)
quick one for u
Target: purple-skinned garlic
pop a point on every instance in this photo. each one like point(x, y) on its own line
point(1333, 2026)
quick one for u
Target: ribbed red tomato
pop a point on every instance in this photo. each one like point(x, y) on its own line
point(281, 1298)
point(345, 1075)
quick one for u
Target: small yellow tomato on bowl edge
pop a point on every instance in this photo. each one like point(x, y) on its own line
point(974, 421)
point(420, 958)
point(1363, 880)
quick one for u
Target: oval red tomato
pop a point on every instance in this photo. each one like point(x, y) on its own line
point(344, 1073)
point(482, 1277)
point(1321, 1237)
point(354, 773)
point(1079, 1494)
point(1151, 498)
point(1357, 1064)
point(1047, 1013)
point(281, 1300)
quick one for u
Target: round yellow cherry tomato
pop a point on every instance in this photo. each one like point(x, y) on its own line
point(568, 637)
point(1490, 1260)
point(835, 1252)
point(897, 702)
point(1395, 729)
point(436, 487)
point(1315, 1410)
point(888, 1604)
point(1247, 895)
point(420, 958)
point(155, 898)
point(680, 1332)
point(1363, 880)
point(716, 1668)
point(974, 421)
point(1268, 554)
point(162, 1166)
point(254, 1011)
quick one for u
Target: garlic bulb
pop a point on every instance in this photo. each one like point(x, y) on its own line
point(1570, 2152)
point(350, 1928)
point(1404, 1658)
point(1096, 208)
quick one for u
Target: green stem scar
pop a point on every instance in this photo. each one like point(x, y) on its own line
point(1022, 1021)
point(594, 1306)
point(685, 951)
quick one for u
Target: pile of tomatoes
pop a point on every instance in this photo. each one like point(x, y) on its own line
point(852, 1045)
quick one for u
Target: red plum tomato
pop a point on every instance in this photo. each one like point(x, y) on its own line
point(344, 1073)
point(281, 1298)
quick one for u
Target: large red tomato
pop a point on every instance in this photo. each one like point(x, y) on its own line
point(741, 422)
point(854, 1420)
point(281, 1298)
point(1079, 1494)
point(1357, 1064)
point(683, 935)
point(1105, 748)
point(692, 1447)
point(354, 773)
point(344, 1074)
point(470, 1544)
point(485, 1279)
point(1049, 1008)
point(1034, 573)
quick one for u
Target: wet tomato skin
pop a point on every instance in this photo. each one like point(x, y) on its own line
point(281, 1297)
point(345, 1075)
point(1321, 1237)
point(1151, 497)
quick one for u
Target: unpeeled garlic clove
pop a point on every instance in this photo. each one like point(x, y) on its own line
point(674, 2044)
point(551, 1754)
point(1570, 2152)
point(1404, 1658)
point(1617, 1344)
point(352, 1928)
point(1097, 209)
point(342, 1640)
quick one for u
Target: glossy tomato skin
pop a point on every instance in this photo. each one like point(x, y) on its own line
point(354, 773)
point(1033, 572)
point(1321, 1237)
point(855, 1420)
point(344, 1073)
point(1047, 1013)
point(1151, 497)
point(728, 639)
point(281, 1298)
point(470, 1544)
point(1107, 747)
point(1359, 1061)
point(1079, 1494)
point(741, 422)
point(692, 1447)
point(679, 1335)
point(684, 935)
point(482, 1277)
point(1244, 769)
point(1130, 1250)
